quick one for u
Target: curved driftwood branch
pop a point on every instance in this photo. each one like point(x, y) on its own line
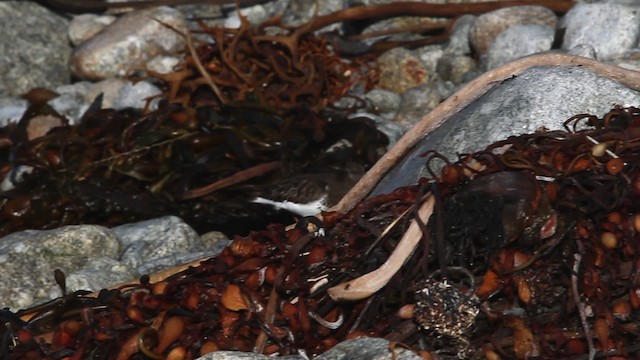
point(466, 96)
point(366, 285)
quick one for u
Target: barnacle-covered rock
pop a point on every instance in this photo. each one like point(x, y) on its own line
point(443, 308)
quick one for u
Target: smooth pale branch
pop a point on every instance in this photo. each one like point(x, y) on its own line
point(368, 284)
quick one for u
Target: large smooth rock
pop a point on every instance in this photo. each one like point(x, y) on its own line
point(28, 259)
point(356, 349)
point(94, 257)
point(540, 97)
point(33, 48)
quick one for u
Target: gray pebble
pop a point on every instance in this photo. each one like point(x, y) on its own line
point(157, 265)
point(115, 91)
point(299, 12)
point(124, 47)
point(11, 109)
point(401, 70)
point(384, 101)
point(214, 241)
point(415, 103)
point(452, 68)
point(135, 95)
point(156, 238)
point(429, 55)
point(109, 88)
point(518, 41)
point(97, 274)
point(163, 64)
point(94, 257)
point(367, 349)
point(237, 355)
point(459, 39)
point(611, 29)
point(487, 26)
point(117, 94)
point(70, 105)
point(356, 349)
point(85, 26)
point(254, 14)
point(584, 50)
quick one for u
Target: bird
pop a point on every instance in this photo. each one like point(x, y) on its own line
point(307, 194)
point(281, 199)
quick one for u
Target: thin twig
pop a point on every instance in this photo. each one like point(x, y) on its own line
point(581, 308)
point(269, 315)
point(409, 8)
point(387, 230)
point(203, 71)
point(403, 29)
point(236, 178)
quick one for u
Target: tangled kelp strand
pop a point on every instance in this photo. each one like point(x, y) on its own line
point(293, 69)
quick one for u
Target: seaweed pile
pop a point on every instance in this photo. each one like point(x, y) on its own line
point(551, 270)
point(121, 166)
point(243, 110)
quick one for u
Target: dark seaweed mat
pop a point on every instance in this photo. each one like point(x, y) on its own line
point(116, 167)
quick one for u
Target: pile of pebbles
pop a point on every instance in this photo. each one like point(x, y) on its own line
point(81, 56)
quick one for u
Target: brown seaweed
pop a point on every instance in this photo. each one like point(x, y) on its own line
point(559, 283)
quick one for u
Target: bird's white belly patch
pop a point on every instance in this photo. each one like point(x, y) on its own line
point(308, 209)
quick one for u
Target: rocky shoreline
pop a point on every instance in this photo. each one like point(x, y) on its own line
point(104, 48)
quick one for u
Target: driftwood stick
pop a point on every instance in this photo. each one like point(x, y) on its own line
point(465, 96)
point(236, 178)
point(368, 284)
point(412, 8)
